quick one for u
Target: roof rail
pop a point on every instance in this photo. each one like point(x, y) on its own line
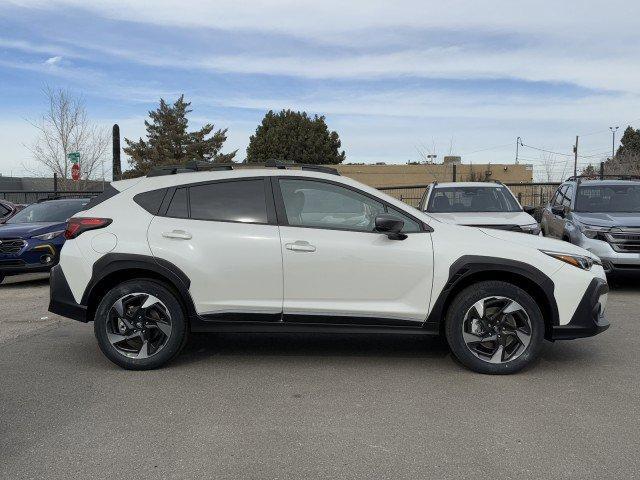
point(187, 167)
point(206, 166)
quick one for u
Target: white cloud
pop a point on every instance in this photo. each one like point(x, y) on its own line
point(53, 60)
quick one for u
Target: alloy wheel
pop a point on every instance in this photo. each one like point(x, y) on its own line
point(138, 325)
point(496, 329)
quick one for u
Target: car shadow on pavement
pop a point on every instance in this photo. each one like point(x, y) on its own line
point(26, 280)
point(624, 282)
point(203, 346)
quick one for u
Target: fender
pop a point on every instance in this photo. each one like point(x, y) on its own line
point(476, 266)
point(114, 262)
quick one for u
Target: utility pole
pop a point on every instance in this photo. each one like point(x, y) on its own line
point(613, 141)
point(116, 168)
point(518, 142)
point(575, 161)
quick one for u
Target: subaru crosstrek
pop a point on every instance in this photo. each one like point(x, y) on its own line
point(31, 240)
point(602, 216)
point(304, 250)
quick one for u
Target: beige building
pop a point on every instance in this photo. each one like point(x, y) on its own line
point(399, 175)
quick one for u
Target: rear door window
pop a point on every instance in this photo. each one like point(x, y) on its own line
point(235, 201)
point(179, 206)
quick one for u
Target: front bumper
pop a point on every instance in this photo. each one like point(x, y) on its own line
point(34, 256)
point(612, 261)
point(589, 318)
point(61, 301)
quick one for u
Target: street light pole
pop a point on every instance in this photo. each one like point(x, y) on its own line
point(613, 141)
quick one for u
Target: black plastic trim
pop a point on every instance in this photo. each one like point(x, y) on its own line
point(114, 262)
point(61, 301)
point(287, 327)
point(588, 319)
point(349, 320)
point(471, 264)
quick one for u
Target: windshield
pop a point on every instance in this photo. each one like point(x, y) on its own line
point(608, 198)
point(56, 211)
point(472, 199)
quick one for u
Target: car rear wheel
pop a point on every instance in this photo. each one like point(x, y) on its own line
point(494, 327)
point(140, 325)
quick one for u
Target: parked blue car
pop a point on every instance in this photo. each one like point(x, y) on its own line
point(31, 240)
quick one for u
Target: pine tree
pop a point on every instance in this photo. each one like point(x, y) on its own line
point(170, 143)
point(629, 143)
point(294, 137)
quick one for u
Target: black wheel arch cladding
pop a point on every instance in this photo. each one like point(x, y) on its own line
point(470, 269)
point(113, 265)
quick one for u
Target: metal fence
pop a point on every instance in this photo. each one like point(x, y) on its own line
point(26, 197)
point(534, 194)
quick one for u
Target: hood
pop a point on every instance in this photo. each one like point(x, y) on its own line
point(27, 230)
point(485, 218)
point(610, 219)
point(540, 243)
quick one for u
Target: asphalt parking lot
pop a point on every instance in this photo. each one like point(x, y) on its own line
point(312, 406)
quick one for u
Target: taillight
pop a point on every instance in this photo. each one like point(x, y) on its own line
point(76, 226)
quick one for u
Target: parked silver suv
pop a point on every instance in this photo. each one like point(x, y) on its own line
point(602, 216)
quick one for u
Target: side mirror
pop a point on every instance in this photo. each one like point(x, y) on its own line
point(391, 225)
point(530, 209)
point(558, 210)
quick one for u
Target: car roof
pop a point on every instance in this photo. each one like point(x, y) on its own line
point(607, 182)
point(57, 200)
point(467, 184)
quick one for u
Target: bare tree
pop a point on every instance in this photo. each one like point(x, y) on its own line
point(424, 152)
point(548, 162)
point(64, 128)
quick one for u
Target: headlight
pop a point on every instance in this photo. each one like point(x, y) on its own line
point(592, 231)
point(580, 261)
point(532, 228)
point(48, 236)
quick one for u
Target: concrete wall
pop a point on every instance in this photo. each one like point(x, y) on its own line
point(397, 175)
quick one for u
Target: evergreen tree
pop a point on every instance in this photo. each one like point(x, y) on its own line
point(294, 137)
point(170, 143)
point(629, 143)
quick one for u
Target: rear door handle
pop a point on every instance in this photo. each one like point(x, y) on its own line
point(178, 234)
point(300, 246)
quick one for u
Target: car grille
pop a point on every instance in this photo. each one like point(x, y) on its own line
point(11, 245)
point(624, 240)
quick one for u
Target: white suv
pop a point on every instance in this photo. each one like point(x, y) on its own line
point(478, 204)
point(301, 250)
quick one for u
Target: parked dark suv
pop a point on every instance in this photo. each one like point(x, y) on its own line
point(602, 216)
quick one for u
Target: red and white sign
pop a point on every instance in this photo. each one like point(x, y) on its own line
point(75, 171)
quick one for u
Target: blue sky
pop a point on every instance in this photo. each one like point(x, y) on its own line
point(393, 79)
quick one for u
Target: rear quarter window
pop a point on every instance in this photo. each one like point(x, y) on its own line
point(151, 200)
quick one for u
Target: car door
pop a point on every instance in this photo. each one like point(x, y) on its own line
point(223, 235)
point(555, 223)
point(337, 269)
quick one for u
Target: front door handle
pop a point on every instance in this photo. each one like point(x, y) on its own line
point(178, 234)
point(300, 246)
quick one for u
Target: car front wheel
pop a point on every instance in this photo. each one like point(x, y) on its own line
point(494, 327)
point(140, 325)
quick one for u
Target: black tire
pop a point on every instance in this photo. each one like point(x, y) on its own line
point(464, 302)
point(173, 344)
point(1, 277)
